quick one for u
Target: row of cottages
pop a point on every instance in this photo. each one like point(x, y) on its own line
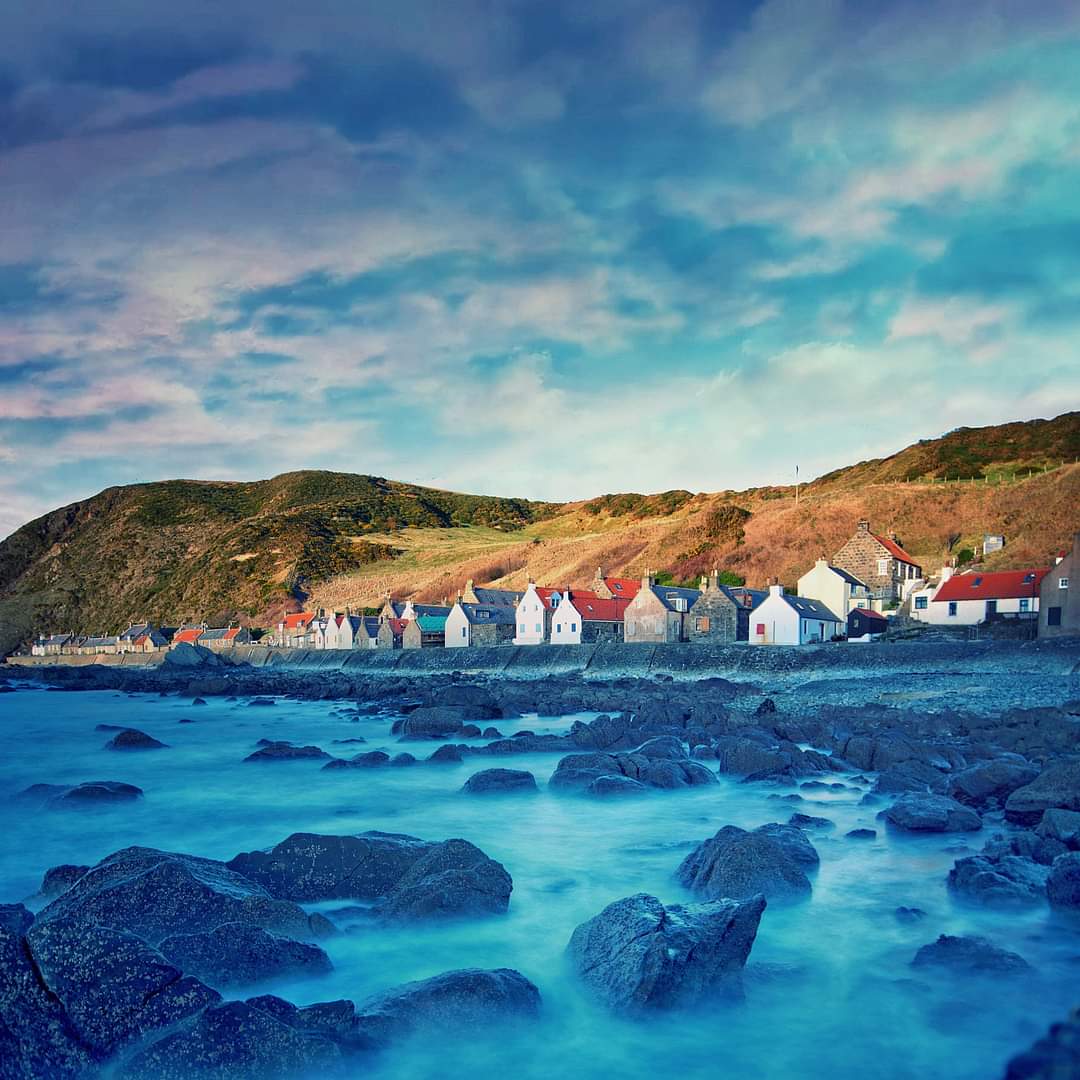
point(977, 596)
point(222, 637)
point(138, 637)
point(567, 617)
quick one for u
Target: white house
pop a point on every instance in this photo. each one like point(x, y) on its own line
point(566, 622)
point(781, 619)
point(976, 596)
point(838, 589)
point(582, 616)
point(532, 615)
point(479, 624)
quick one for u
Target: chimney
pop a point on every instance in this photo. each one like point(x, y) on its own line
point(864, 526)
point(775, 588)
point(893, 537)
point(946, 573)
point(822, 561)
point(646, 579)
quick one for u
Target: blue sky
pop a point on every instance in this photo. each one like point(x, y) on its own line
point(541, 249)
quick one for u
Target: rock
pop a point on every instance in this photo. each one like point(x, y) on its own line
point(236, 1040)
point(59, 879)
point(1061, 825)
point(470, 731)
point(133, 739)
point(910, 776)
point(861, 834)
point(372, 759)
point(456, 1001)
point(795, 843)
point(918, 812)
point(499, 780)
point(1056, 1056)
point(638, 955)
point(970, 955)
point(439, 721)
point(988, 784)
point(808, 821)
point(615, 786)
point(404, 876)
point(261, 702)
point(97, 791)
point(114, 987)
point(491, 733)
point(580, 770)
point(1004, 880)
point(447, 755)
point(156, 894)
point(237, 954)
point(198, 701)
point(1063, 884)
point(285, 751)
point(909, 914)
point(403, 759)
point(350, 742)
point(1057, 787)
point(738, 864)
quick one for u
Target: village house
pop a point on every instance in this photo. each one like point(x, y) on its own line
point(425, 632)
point(864, 624)
point(1059, 596)
point(975, 596)
point(479, 624)
point(366, 632)
point(390, 633)
point(188, 635)
point(581, 617)
point(293, 628)
point(613, 588)
point(487, 597)
point(53, 645)
point(879, 562)
point(716, 615)
point(92, 646)
point(838, 589)
point(143, 637)
point(533, 614)
point(225, 637)
point(658, 613)
point(783, 619)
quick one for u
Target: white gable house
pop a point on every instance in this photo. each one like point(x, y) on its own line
point(531, 616)
point(781, 619)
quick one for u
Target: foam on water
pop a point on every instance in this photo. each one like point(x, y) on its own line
point(830, 992)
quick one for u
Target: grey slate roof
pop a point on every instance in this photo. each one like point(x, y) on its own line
point(482, 614)
point(431, 609)
point(668, 593)
point(371, 625)
point(810, 609)
point(497, 597)
point(743, 597)
point(851, 579)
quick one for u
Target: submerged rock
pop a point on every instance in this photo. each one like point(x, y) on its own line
point(448, 755)
point(156, 894)
point(133, 739)
point(499, 780)
point(861, 834)
point(1006, 880)
point(740, 864)
point(638, 955)
point(455, 1001)
point(97, 791)
point(237, 954)
point(918, 812)
point(370, 759)
point(1056, 1056)
point(615, 786)
point(970, 955)
point(285, 751)
point(663, 765)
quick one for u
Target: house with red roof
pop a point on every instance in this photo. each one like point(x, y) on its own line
point(976, 596)
point(391, 633)
point(581, 617)
point(293, 630)
point(614, 588)
point(225, 637)
point(188, 635)
point(881, 563)
point(1059, 596)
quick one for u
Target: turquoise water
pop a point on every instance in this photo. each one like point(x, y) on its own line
point(829, 991)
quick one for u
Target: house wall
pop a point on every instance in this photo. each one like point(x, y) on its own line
point(566, 624)
point(531, 619)
point(973, 612)
point(457, 628)
point(1052, 595)
point(870, 561)
point(823, 583)
point(597, 631)
point(648, 621)
point(492, 633)
point(713, 618)
point(774, 622)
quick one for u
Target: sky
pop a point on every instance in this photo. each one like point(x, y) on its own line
point(542, 249)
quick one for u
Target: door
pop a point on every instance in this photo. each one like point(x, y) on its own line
point(991, 608)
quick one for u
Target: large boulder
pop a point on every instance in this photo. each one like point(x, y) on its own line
point(37, 1039)
point(115, 988)
point(970, 955)
point(439, 721)
point(285, 751)
point(236, 1040)
point(235, 954)
point(738, 864)
point(578, 771)
point(1057, 787)
point(1063, 884)
point(405, 877)
point(920, 812)
point(493, 781)
point(96, 792)
point(638, 955)
point(1056, 1056)
point(59, 879)
point(988, 784)
point(1005, 881)
point(155, 894)
point(794, 841)
point(133, 739)
point(450, 1003)
point(1062, 826)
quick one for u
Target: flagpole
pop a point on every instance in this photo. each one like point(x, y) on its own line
point(796, 485)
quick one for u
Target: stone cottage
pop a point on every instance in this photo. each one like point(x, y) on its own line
point(880, 562)
point(658, 613)
point(715, 615)
point(479, 624)
point(1059, 596)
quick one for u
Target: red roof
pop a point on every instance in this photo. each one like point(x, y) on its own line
point(231, 633)
point(187, 636)
point(592, 608)
point(298, 619)
point(1001, 585)
point(894, 549)
point(546, 594)
point(869, 614)
point(624, 587)
point(398, 625)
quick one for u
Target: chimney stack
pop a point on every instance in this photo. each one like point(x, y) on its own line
point(864, 526)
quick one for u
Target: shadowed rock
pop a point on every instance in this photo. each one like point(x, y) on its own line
point(638, 955)
point(1063, 884)
point(59, 879)
point(490, 781)
point(917, 812)
point(1004, 880)
point(97, 792)
point(235, 954)
point(370, 759)
point(133, 739)
point(970, 955)
point(739, 864)
point(665, 765)
point(1056, 1056)
point(1058, 787)
point(989, 783)
point(1062, 826)
point(285, 751)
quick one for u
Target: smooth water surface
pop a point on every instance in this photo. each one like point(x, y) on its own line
point(830, 992)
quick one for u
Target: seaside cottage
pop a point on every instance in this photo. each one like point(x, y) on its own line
point(533, 614)
point(53, 645)
point(425, 632)
point(488, 597)
point(976, 596)
point(658, 613)
point(479, 624)
point(582, 617)
point(188, 635)
point(225, 637)
point(293, 628)
point(1059, 596)
point(142, 637)
point(366, 632)
point(614, 588)
point(716, 614)
point(879, 562)
point(390, 633)
point(782, 619)
point(838, 589)
point(865, 625)
point(93, 646)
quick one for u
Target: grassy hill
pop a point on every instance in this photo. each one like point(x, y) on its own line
point(189, 549)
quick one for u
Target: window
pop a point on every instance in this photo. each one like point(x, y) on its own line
point(631, 629)
point(1063, 582)
point(883, 567)
point(1053, 616)
point(952, 608)
point(759, 629)
point(921, 603)
point(521, 628)
point(701, 624)
point(558, 628)
point(991, 608)
point(977, 581)
point(1025, 604)
point(573, 628)
point(538, 628)
point(464, 631)
point(1029, 577)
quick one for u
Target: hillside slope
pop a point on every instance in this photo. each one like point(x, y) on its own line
point(190, 549)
